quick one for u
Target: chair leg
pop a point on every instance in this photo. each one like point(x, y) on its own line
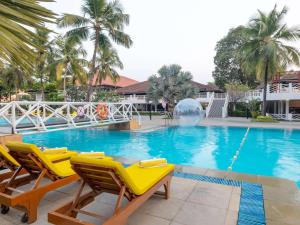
point(167, 189)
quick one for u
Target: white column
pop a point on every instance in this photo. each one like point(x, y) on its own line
point(287, 108)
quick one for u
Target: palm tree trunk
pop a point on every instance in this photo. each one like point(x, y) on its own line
point(42, 87)
point(264, 110)
point(65, 93)
point(93, 67)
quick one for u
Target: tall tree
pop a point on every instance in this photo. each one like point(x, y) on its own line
point(227, 61)
point(102, 22)
point(44, 57)
point(266, 48)
point(13, 79)
point(106, 64)
point(70, 60)
point(171, 84)
point(17, 18)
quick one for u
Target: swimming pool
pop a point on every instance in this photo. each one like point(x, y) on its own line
point(267, 152)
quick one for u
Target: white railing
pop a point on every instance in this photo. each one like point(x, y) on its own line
point(220, 95)
point(275, 92)
point(225, 107)
point(289, 117)
point(207, 110)
point(24, 116)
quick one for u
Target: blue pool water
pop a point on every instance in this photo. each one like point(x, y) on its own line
point(267, 152)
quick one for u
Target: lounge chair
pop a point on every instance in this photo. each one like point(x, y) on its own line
point(135, 183)
point(38, 166)
point(10, 165)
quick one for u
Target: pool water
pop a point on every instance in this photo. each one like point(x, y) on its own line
point(267, 152)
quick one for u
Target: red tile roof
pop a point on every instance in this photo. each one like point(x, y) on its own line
point(121, 82)
point(142, 88)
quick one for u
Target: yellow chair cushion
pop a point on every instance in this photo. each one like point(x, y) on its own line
point(60, 156)
point(61, 169)
point(6, 156)
point(137, 179)
point(153, 163)
point(145, 178)
point(97, 155)
point(55, 150)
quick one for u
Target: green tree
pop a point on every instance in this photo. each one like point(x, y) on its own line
point(227, 61)
point(266, 49)
point(17, 18)
point(106, 64)
point(70, 60)
point(171, 84)
point(44, 57)
point(13, 79)
point(102, 22)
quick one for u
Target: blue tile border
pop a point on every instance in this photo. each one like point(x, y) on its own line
point(251, 209)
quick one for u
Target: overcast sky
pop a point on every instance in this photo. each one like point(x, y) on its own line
point(182, 32)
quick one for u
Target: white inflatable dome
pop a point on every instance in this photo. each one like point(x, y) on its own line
point(188, 112)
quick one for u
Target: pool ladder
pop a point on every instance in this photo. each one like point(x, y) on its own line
point(237, 152)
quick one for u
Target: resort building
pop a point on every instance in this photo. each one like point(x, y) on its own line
point(136, 94)
point(109, 84)
point(283, 96)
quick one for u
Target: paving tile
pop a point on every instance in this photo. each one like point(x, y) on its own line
point(216, 173)
point(284, 213)
point(207, 186)
point(282, 196)
point(279, 183)
point(181, 188)
point(157, 206)
point(234, 203)
point(195, 214)
point(144, 219)
point(231, 218)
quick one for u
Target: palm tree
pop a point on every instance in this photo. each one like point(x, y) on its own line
point(101, 23)
point(106, 63)
point(44, 57)
point(17, 18)
point(266, 48)
point(70, 60)
point(171, 84)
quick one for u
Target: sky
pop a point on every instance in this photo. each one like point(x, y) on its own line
point(182, 32)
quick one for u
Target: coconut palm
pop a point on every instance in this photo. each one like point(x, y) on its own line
point(267, 46)
point(70, 60)
point(44, 57)
point(171, 84)
point(106, 64)
point(17, 18)
point(102, 22)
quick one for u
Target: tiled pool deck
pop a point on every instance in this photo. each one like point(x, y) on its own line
point(198, 196)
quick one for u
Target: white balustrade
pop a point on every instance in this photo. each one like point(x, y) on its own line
point(25, 116)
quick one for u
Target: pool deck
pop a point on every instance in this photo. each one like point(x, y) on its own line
point(157, 122)
point(192, 202)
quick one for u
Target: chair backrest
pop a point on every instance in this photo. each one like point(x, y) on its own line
point(102, 174)
point(30, 157)
point(7, 159)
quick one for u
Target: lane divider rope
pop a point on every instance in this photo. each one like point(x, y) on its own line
point(237, 152)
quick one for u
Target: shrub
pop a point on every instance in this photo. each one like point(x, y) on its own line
point(265, 119)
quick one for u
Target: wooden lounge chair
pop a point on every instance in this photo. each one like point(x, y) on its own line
point(38, 167)
point(9, 165)
point(134, 183)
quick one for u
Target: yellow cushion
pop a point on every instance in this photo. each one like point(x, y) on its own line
point(61, 156)
point(145, 178)
point(55, 150)
point(61, 169)
point(6, 156)
point(153, 163)
point(138, 179)
point(98, 155)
